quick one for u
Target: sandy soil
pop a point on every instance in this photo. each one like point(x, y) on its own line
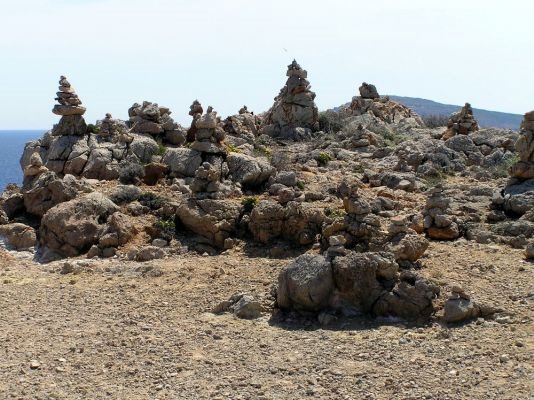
point(124, 330)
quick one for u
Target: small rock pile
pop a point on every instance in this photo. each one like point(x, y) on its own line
point(244, 126)
point(370, 102)
point(208, 136)
point(524, 168)
point(149, 118)
point(438, 222)
point(462, 122)
point(294, 114)
point(355, 284)
point(70, 109)
point(36, 166)
point(112, 129)
point(195, 111)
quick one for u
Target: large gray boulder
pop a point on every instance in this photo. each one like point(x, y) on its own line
point(144, 147)
point(48, 190)
point(182, 162)
point(247, 170)
point(215, 220)
point(305, 284)
point(71, 228)
point(519, 196)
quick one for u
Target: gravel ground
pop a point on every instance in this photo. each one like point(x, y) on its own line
point(123, 330)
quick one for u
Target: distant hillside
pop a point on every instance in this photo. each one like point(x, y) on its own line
point(485, 118)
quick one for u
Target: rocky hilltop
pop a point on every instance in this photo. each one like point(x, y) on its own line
point(362, 220)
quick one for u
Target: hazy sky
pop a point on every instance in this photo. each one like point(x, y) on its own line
point(228, 53)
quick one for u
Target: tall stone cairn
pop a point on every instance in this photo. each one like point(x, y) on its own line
point(462, 122)
point(524, 168)
point(70, 109)
point(294, 114)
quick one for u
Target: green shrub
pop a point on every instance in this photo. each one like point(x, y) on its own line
point(324, 158)
point(249, 202)
point(151, 200)
point(130, 172)
point(502, 169)
point(161, 149)
point(166, 228)
point(91, 128)
point(300, 185)
point(125, 194)
point(232, 149)
point(261, 150)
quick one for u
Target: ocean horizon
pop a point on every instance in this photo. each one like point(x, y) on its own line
point(11, 147)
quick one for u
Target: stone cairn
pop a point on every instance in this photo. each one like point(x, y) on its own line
point(209, 138)
point(70, 109)
point(524, 168)
point(370, 102)
point(195, 110)
point(294, 114)
point(438, 222)
point(113, 130)
point(462, 122)
point(35, 167)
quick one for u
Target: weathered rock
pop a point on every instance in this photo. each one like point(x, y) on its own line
point(241, 305)
point(48, 190)
point(18, 236)
point(382, 108)
point(182, 162)
point(408, 247)
point(154, 172)
point(247, 170)
point(215, 220)
point(306, 284)
point(266, 221)
point(524, 168)
point(368, 91)
point(149, 253)
point(71, 228)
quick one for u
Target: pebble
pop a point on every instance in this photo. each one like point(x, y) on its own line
point(34, 364)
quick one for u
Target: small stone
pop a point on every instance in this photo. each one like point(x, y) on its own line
point(34, 364)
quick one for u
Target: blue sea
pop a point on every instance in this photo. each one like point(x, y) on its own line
point(11, 146)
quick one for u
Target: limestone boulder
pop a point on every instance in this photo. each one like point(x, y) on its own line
point(71, 228)
point(215, 220)
point(18, 236)
point(182, 162)
point(305, 284)
point(247, 170)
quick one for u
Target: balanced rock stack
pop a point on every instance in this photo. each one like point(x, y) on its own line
point(111, 129)
point(362, 224)
point(462, 122)
point(70, 109)
point(524, 168)
point(370, 102)
point(195, 110)
point(36, 166)
point(439, 223)
point(294, 114)
point(209, 136)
